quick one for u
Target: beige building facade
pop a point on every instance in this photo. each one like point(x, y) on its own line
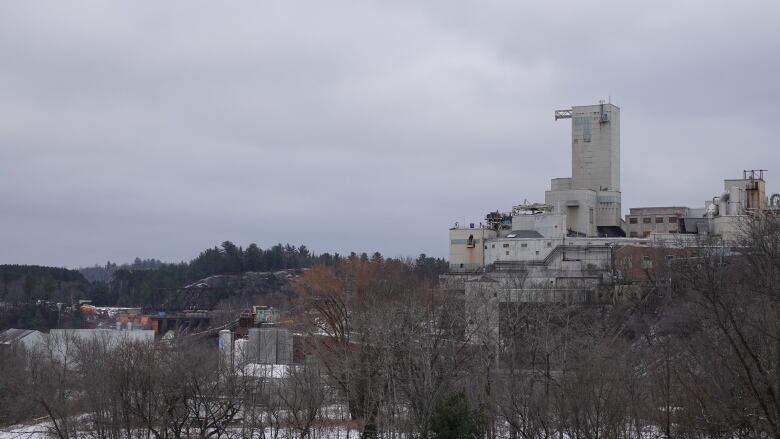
point(642, 221)
point(467, 248)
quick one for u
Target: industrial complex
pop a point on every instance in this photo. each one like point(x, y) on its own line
point(555, 318)
point(577, 246)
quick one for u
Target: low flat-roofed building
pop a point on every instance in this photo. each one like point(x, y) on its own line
point(467, 248)
point(642, 221)
point(29, 338)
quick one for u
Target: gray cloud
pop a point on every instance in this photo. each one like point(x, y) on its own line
point(158, 129)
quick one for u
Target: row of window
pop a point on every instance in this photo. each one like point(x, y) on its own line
point(537, 253)
point(646, 261)
point(645, 234)
point(522, 245)
point(648, 220)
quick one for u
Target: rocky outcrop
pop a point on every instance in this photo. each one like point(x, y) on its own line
point(230, 291)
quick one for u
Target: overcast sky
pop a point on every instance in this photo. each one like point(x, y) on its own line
point(157, 129)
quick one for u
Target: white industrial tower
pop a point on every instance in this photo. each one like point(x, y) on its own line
point(591, 198)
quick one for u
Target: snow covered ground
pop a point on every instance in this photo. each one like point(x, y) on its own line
point(319, 431)
point(35, 431)
point(42, 431)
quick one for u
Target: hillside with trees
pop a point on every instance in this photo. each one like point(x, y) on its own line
point(129, 287)
point(103, 273)
point(30, 294)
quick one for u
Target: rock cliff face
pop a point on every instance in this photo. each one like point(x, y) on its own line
point(231, 291)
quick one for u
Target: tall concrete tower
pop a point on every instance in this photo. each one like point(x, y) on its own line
point(591, 198)
point(595, 147)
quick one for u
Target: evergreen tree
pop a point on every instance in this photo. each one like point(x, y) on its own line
point(232, 258)
point(454, 418)
point(253, 258)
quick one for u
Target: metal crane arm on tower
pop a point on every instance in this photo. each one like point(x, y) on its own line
point(562, 114)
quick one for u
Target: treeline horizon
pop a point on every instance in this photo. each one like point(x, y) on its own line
point(136, 283)
point(229, 258)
